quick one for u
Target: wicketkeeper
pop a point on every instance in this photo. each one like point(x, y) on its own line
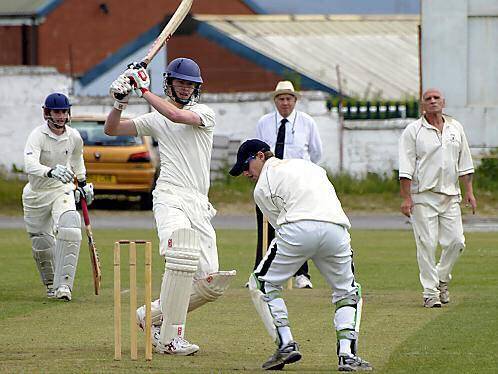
point(309, 222)
point(184, 130)
point(53, 156)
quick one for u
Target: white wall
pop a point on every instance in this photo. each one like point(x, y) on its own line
point(22, 93)
point(369, 146)
point(460, 57)
point(372, 146)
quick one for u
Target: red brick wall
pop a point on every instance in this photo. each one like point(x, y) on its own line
point(11, 41)
point(93, 35)
point(222, 70)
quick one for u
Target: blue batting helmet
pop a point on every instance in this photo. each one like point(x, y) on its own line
point(57, 101)
point(184, 68)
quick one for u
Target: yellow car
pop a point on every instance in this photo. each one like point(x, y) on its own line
point(118, 165)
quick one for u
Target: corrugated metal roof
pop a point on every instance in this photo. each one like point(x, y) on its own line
point(24, 8)
point(377, 55)
point(335, 6)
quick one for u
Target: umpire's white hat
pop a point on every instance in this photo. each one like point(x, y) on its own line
point(285, 87)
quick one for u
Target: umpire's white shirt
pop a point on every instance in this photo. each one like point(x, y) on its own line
point(302, 139)
point(432, 160)
point(185, 150)
point(44, 150)
point(292, 190)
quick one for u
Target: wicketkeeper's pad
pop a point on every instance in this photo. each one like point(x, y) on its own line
point(262, 307)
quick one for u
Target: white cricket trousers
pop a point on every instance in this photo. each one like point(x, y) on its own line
point(176, 208)
point(436, 218)
point(327, 244)
point(42, 209)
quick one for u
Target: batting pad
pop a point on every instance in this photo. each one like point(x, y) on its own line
point(67, 248)
point(348, 318)
point(262, 307)
point(210, 288)
point(43, 253)
point(182, 257)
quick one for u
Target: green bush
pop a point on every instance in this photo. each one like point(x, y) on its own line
point(10, 194)
point(372, 183)
point(486, 174)
point(230, 190)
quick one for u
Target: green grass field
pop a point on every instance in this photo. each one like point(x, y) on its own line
point(398, 335)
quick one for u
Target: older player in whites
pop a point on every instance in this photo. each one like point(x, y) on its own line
point(53, 156)
point(433, 156)
point(309, 222)
point(184, 131)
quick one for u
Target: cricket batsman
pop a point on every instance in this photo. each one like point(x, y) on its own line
point(53, 156)
point(184, 130)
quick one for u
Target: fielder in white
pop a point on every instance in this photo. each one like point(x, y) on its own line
point(53, 156)
point(302, 206)
point(184, 131)
point(433, 156)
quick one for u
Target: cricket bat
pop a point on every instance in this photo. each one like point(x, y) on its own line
point(94, 254)
point(175, 21)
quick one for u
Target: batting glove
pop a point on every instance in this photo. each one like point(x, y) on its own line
point(139, 79)
point(120, 91)
point(86, 190)
point(61, 173)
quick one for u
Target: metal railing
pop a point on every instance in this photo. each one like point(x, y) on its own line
point(362, 110)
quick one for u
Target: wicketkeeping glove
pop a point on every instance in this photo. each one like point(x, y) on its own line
point(139, 79)
point(86, 190)
point(61, 173)
point(120, 91)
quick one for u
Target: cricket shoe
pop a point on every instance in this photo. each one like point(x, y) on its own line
point(302, 281)
point(288, 354)
point(50, 292)
point(444, 294)
point(353, 363)
point(432, 302)
point(177, 346)
point(63, 293)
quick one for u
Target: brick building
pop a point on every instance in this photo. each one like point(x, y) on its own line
point(238, 49)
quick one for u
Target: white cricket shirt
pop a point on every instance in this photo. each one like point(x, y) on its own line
point(44, 150)
point(434, 160)
point(302, 139)
point(185, 150)
point(292, 190)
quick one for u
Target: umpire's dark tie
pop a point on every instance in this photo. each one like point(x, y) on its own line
point(279, 146)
